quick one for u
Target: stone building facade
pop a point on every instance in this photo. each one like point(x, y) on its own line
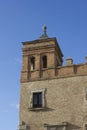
point(52, 96)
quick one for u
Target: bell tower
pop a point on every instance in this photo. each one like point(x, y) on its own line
point(40, 61)
point(41, 57)
point(52, 96)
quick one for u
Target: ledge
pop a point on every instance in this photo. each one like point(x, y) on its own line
point(39, 41)
point(37, 109)
point(56, 125)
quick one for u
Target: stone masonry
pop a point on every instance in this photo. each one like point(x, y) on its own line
point(63, 88)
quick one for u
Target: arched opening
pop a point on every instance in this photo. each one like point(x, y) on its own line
point(44, 61)
point(32, 63)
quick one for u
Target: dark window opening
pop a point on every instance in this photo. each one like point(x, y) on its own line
point(85, 126)
point(37, 100)
point(86, 96)
point(86, 93)
point(32, 63)
point(44, 61)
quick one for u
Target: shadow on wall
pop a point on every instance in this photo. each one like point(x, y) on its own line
point(62, 126)
point(72, 127)
point(46, 109)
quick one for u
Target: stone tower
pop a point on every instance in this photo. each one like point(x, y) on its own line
point(52, 96)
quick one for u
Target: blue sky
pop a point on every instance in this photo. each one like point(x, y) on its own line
point(22, 20)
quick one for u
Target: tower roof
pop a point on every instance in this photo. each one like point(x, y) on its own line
point(43, 39)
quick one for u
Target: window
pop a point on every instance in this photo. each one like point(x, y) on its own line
point(37, 100)
point(85, 126)
point(44, 61)
point(32, 63)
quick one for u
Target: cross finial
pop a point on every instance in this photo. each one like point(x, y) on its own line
point(44, 28)
point(44, 35)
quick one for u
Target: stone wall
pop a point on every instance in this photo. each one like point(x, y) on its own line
point(64, 89)
point(65, 102)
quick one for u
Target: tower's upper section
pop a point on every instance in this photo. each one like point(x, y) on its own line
point(41, 57)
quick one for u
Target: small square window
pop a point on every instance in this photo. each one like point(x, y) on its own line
point(37, 100)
